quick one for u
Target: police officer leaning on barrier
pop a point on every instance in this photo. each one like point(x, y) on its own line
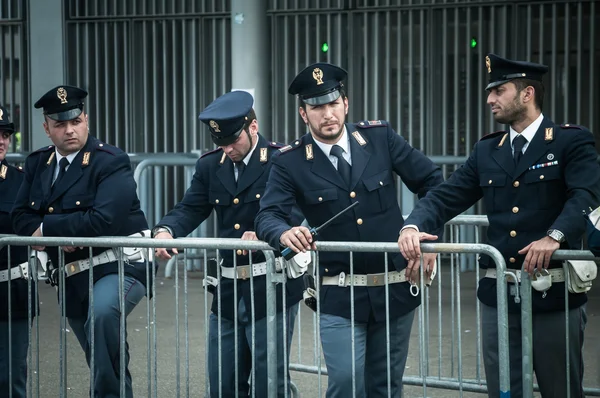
point(368, 156)
point(15, 274)
point(231, 180)
point(535, 179)
point(82, 187)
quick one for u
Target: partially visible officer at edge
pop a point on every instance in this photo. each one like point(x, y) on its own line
point(82, 187)
point(231, 181)
point(12, 273)
point(535, 179)
point(323, 172)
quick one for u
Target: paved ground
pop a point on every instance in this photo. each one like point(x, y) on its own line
point(444, 361)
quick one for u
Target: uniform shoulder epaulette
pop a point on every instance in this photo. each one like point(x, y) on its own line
point(20, 168)
point(290, 147)
point(572, 126)
point(365, 124)
point(113, 150)
point(209, 152)
point(276, 145)
point(492, 135)
point(44, 149)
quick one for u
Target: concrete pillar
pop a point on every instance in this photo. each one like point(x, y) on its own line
point(46, 58)
point(250, 56)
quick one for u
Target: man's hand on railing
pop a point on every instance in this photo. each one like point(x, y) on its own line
point(38, 234)
point(539, 253)
point(409, 243)
point(163, 253)
point(248, 235)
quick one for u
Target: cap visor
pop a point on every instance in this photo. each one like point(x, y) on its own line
point(496, 84)
point(323, 99)
point(66, 115)
point(228, 140)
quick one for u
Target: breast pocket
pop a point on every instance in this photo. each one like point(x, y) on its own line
point(218, 198)
point(76, 202)
point(320, 196)
point(546, 185)
point(382, 185)
point(491, 184)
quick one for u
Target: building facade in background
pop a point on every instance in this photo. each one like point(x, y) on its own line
point(152, 65)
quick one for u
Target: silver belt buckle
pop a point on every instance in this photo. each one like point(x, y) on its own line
point(342, 279)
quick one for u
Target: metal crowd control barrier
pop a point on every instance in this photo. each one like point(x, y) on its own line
point(423, 380)
point(152, 317)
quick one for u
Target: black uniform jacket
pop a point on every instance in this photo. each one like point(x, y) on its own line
point(302, 174)
point(557, 178)
point(96, 197)
point(10, 181)
point(236, 204)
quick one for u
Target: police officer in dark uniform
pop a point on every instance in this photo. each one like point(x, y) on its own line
point(367, 155)
point(231, 181)
point(13, 273)
point(82, 187)
point(536, 178)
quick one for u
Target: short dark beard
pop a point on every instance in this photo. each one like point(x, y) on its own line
point(515, 114)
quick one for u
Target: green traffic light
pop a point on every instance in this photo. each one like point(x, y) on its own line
point(325, 47)
point(473, 42)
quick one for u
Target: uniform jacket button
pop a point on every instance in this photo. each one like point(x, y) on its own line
point(513, 234)
point(515, 209)
point(236, 226)
point(359, 221)
point(50, 209)
point(236, 201)
point(516, 184)
point(353, 194)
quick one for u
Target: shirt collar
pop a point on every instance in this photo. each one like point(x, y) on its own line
point(529, 131)
point(246, 160)
point(343, 142)
point(70, 157)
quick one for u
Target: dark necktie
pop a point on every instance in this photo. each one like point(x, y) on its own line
point(343, 166)
point(240, 166)
point(518, 144)
point(63, 164)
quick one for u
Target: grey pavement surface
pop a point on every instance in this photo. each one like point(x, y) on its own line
point(174, 378)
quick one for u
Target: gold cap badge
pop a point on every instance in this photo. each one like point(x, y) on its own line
point(213, 125)
point(61, 93)
point(318, 75)
point(488, 64)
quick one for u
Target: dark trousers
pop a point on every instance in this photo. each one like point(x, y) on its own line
point(549, 352)
point(243, 357)
point(107, 326)
point(370, 356)
point(19, 342)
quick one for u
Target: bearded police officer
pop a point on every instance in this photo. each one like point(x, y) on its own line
point(82, 187)
point(323, 172)
point(536, 178)
point(231, 181)
point(13, 273)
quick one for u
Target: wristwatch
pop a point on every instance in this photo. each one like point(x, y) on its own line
point(161, 228)
point(556, 235)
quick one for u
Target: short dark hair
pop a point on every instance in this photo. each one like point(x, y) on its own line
point(342, 94)
point(251, 117)
point(538, 87)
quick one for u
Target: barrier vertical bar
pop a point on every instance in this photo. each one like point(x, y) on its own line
point(526, 335)
point(271, 296)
